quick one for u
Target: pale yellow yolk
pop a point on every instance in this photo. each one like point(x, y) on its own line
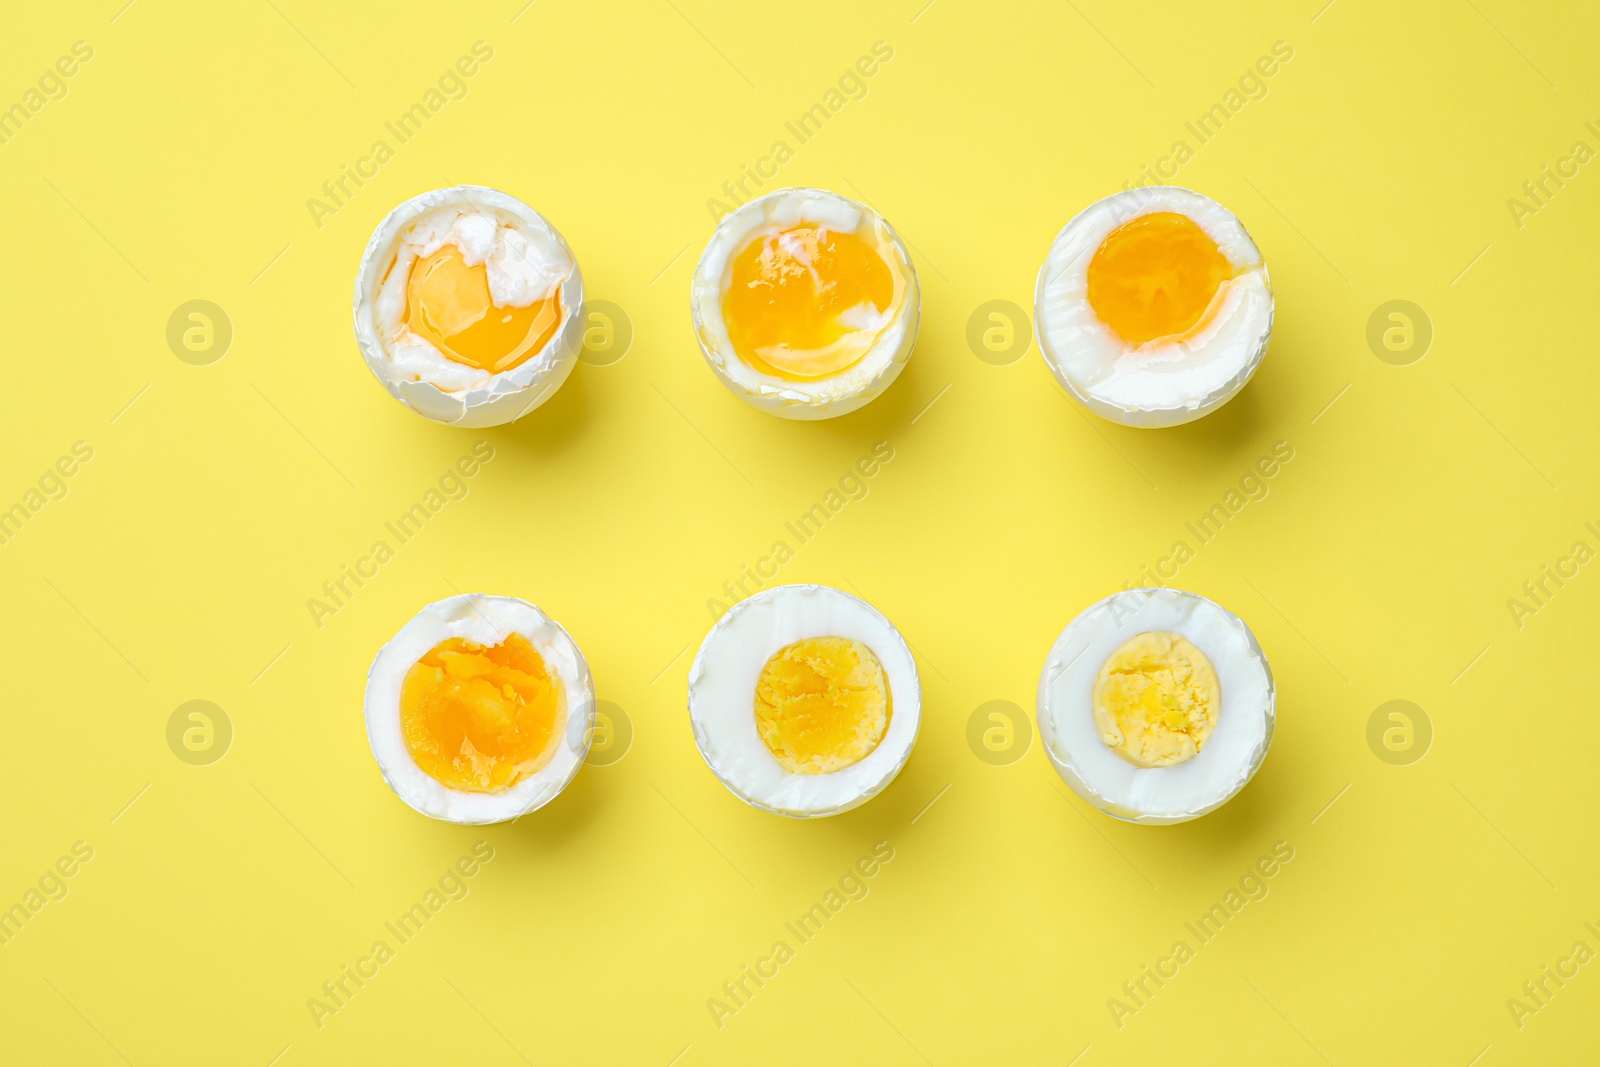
point(822, 704)
point(448, 304)
point(480, 718)
point(787, 292)
point(1156, 700)
point(1156, 277)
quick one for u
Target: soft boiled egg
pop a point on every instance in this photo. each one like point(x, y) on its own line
point(1154, 306)
point(805, 701)
point(1156, 705)
point(805, 303)
point(480, 709)
point(468, 306)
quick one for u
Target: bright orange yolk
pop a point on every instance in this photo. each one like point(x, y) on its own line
point(822, 704)
point(448, 304)
point(477, 718)
point(1156, 277)
point(787, 292)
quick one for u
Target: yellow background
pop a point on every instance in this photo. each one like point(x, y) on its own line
point(179, 563)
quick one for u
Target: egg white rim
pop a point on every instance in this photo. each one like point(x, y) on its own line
point(722, 702)
point(506, 396)
point(820, 398)
point(1232, 754)
point(486, 620)
point(1243, 322)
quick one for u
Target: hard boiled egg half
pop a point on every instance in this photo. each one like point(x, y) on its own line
point(805, 701)
point(805, 303)
point(468, 306)
point(1156, 705)
point(480, 709)
point(1153, 307)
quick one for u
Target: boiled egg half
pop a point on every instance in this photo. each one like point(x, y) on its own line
point(805, 701)
point(468, 306)
point(480, 709)
point(1153, 307)
point(805, 303)
point(1156, 705)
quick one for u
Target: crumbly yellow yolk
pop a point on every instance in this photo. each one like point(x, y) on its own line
point(1156, 277)
point(822, 704)
point(1156, 700)
point(787, 292)
point(448, 304)
point(478, 718)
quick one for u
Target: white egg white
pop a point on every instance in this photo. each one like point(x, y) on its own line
point(722, 688)
point(1164, 382)
point(1156, 795)
point(896, 327)
point(526, 260)
point(485, 620)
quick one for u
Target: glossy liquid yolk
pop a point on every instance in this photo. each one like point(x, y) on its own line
point(480, 719)
point(822, 704)
point(448, 304)
point(1156, 700)
point(787, 292)
point(1156, 277)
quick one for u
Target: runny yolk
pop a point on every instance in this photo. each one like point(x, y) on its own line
point(478, 718)
point(787, 294)
point(1156, 277)
point(822, 704)
point(448, 304)
point(1156, 700)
